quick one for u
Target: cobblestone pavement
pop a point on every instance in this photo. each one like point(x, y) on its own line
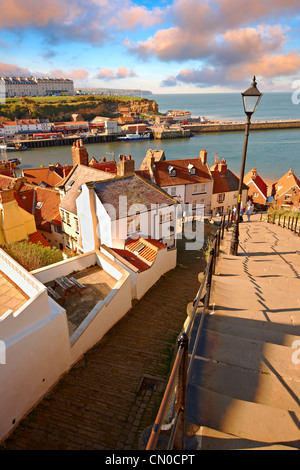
point(109, 397)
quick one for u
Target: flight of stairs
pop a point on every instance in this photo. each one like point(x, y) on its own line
point(244, 390)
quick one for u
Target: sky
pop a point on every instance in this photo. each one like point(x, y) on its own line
point(169, 46)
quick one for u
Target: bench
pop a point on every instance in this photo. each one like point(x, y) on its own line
point(77, 283)
point(53, 293)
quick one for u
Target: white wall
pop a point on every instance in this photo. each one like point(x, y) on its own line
point(106, 313)
point(142, 281)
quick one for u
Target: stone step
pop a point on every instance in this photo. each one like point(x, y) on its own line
point(241, 418)
point(247, 353)
point(286, 320)
point(254, 293)
point(211, 439)
point(282, 334)
point(246, 384)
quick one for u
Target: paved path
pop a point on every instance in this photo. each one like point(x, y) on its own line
point(245, 384)
point(113, 394)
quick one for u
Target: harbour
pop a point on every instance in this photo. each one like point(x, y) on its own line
point(183, 131)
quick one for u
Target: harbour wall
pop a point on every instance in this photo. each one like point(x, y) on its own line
point(239, 126)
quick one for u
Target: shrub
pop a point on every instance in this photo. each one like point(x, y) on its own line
point(33, 256)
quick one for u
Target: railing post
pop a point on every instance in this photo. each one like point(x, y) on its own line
point(292, 226)
point(180, 399)
point(284, 221)
point(279, 219)
point(223, 226)
point(228, 220)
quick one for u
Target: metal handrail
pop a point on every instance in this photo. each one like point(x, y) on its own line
point(290, 222)
point(182, 365)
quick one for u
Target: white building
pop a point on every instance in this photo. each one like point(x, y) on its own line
point(187, 180)
point(33, 86)
point(112, 211)
point(24, 126)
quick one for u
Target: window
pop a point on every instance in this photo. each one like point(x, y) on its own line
point(39, 205)
point(133, 225)
point(57, 228)
point(255, 194)
point(287, 197)
point(195, 188)
point(221, 197)
point(203, 188)
point(173, 191)
point(63, 216)
point(172, 171)
point(191, 169)
point(165, 218)
point(68, 218)
point(76, 225)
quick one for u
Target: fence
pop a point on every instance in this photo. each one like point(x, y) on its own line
point(182, 366)
point(289, 222)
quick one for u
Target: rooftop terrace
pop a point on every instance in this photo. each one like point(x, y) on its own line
point(97, 285)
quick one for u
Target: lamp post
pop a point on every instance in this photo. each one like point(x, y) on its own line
point(251, 98)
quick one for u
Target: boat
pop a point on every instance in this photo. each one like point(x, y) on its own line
point(136, 136)
point(16, 148)
point(9, 163)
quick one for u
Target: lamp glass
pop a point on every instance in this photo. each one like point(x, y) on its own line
point(250, 103)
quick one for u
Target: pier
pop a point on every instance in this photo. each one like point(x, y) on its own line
point(91, 139)
point(226, 126)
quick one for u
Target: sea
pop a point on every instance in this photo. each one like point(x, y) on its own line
point(271, 152)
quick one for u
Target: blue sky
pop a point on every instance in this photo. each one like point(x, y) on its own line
point(179, 46)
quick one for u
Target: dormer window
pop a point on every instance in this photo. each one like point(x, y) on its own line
point(172, 171)
point(191, 169)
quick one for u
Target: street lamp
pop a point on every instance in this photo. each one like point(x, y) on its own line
point(251, 98)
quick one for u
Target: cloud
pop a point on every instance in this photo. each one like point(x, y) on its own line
point(109, 74)
point(13, 70)
point(94, 22)
point(229, 41)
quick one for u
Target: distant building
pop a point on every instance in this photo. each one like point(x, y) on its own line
point(225, 190)
point(287, 191)
point(33, 86)
point(24, 126)
point(257, 188)
point(187, 180)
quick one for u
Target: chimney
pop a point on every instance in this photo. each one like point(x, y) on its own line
point(203, 156)
point(253, 173)
point(125, 167)
point(79, 153)
point(6, 195)
point(18, 182)
point(223, 167)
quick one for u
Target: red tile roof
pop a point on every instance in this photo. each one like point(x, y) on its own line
point(286, 182)
point(132, 259)
point(183, 176)
point(146, 248)
point(43, 176)
point(37, 237)
point(253, 177)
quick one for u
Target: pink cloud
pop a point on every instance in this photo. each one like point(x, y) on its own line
point(13, 70)
point(109, 74)
point(73, 74)
point(269, 66)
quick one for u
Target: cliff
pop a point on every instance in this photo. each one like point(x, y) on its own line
point(61, 108)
